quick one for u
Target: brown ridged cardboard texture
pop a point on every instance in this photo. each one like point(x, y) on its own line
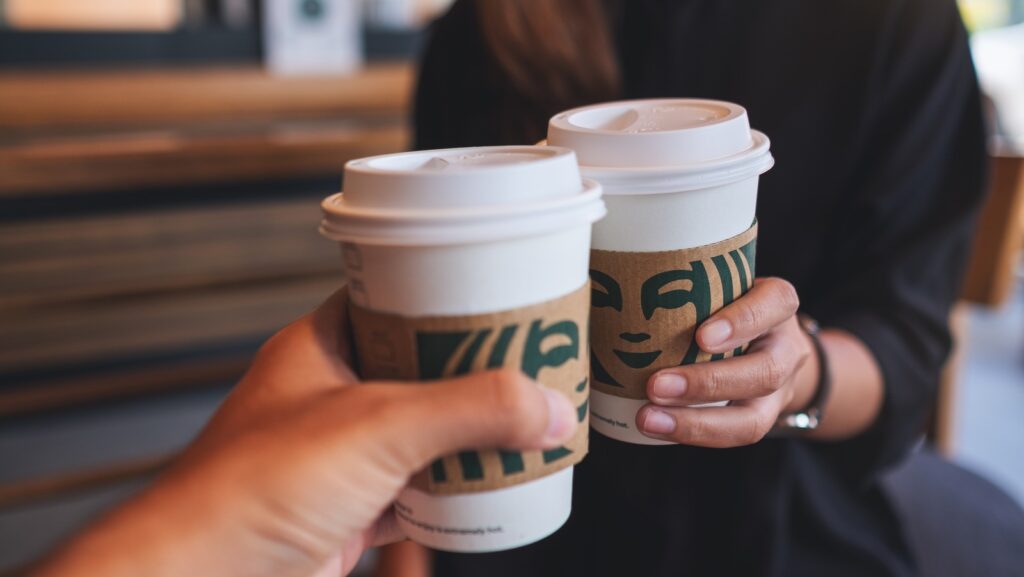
point(547, 341)
point(646, 306)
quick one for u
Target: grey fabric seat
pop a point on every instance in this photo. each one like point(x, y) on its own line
point(957, 523)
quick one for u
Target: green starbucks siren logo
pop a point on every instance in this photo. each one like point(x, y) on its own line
point(547, 341)
point(453, 353)
point(645, 308)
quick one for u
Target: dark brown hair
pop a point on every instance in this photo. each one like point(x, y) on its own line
point(555, 54)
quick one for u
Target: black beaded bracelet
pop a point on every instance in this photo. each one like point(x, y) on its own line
point(809, 418)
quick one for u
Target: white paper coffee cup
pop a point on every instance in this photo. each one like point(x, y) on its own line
point(677, 174)
point(468, 232)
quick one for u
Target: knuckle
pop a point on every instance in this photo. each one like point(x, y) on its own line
point(772, 373)
point(696, 431)
point(514, 400)
point(710, 384)
point(747, 316)
point(785, 294)
point(506, 404)
point(754, 430)
point(276, 341)
point(373, 407)
point(510, 392)
point(802, 356)
point(383, 409)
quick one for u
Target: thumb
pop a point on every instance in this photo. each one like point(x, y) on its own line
point(494, 409)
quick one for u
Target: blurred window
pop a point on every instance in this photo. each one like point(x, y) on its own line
point(92, 14)
point(983, 15)
point(997, 42)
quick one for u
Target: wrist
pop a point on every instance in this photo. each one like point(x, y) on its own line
point(135, 538)
point(186, 523)
point(807, 378)
point(808, 417)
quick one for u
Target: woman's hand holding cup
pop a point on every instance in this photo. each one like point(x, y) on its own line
point(776, 375)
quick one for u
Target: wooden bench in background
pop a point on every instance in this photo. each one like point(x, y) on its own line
point(93, 287)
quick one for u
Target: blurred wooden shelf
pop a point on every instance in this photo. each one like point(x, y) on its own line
point(49, 100)
point(84, 164)
point(77, 132)
point(34, 490)
point(121, 383)
point(94, 302)
point(118, 328)
point(79, 258)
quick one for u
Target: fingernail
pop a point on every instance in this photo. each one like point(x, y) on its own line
point(561, 417)
point(669, 385)
point(716, 332)
point(659, 423)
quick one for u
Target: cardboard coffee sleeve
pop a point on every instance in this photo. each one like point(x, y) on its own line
point(546, 341)
point(646, 307)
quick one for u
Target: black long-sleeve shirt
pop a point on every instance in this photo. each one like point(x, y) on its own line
point(874, 114)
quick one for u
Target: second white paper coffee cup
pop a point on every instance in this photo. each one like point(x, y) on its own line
point(677, 174)
point(466, 232)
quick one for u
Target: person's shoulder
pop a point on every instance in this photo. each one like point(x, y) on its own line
point(927, 35)
point(891, 9)
point(881, 14)
point(455, 36)
point(923, 10)
point(919, 21)
point(460, 16)
point(859, 27)
point(891, 30)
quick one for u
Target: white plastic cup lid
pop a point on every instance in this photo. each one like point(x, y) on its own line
point(670, 144)
point(461, 177)
point(460, 195)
